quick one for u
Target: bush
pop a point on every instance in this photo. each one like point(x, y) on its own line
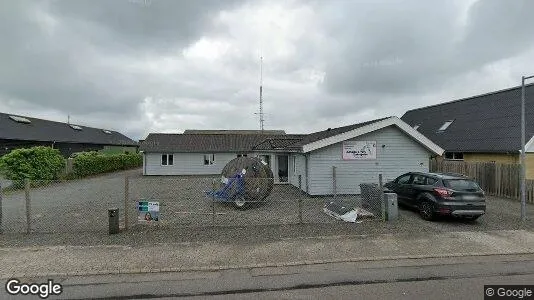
point(36, 163)
point(92, 163)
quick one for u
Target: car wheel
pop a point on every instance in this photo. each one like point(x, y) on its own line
point(426, 211)
point(241, 203)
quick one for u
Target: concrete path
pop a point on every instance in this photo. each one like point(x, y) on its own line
point(42, 261)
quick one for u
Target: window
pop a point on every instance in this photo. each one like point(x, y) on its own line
point(242, 155)
point(209, 159)
point(454, 155)
point(445, 125)
point(75, 127)
point(416, 126)
point(462, 185)
point(419, 180)
point(404, 179)
point(20, 119)
point(431, 181)
point(167, 159)
point(266, 159)
point(106, 131)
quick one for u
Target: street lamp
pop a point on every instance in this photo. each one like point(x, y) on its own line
point(523, 169)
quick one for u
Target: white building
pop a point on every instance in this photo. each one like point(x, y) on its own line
point(359, 153)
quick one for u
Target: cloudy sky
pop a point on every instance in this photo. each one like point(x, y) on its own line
point(140, 66)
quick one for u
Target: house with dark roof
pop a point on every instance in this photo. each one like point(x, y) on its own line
point(359, 153)
point(23, 132)
point(482, 128)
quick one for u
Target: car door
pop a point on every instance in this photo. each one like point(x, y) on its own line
point(401, 187)
point(416, 185)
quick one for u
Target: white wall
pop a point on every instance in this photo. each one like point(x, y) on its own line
point(300, 169)
point(186, 164)
point(401, 154)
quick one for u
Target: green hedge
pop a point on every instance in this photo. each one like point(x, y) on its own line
point(92, 163)
point(36, 163)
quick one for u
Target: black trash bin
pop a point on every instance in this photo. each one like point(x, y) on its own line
point(113, 216)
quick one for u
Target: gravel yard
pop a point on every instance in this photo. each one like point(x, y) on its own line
point(81, 206)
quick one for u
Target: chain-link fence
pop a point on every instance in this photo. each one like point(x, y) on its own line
point(183, 201)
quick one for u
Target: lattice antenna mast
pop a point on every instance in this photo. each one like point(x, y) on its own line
point(261, 95)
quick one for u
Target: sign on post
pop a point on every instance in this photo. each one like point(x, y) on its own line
point(359, 150)
point(147, 211)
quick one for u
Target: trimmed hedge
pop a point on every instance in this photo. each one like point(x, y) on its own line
point(92, 163)
point(36, 163)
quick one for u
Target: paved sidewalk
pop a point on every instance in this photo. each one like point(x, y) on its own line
point(42, 261)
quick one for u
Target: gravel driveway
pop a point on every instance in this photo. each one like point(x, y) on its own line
point(81, 206)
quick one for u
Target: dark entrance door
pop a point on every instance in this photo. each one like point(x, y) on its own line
point(283, 162)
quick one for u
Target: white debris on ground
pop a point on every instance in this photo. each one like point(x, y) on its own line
point(345, 214)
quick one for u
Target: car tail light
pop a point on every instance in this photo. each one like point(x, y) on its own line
point(445, 193)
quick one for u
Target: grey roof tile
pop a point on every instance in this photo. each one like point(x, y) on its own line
point(50, 131)
point(483, 123)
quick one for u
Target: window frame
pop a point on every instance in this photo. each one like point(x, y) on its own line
point(168, 162)
point(454, 156)
point(210, 160)
point(410, 176)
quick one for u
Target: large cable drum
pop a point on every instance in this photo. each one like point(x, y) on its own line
point(257, 177)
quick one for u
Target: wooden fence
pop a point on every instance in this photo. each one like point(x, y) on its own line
point(501, 180)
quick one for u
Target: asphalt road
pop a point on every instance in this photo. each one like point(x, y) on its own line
point(451, 278)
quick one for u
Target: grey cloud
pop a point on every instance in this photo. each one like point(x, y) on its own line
point(412, 47)
point(64, 67)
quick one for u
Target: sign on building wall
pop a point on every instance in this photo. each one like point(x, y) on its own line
point(147, 211)
point(359, 150)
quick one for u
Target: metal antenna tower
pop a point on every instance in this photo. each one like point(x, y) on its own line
point(261, 94)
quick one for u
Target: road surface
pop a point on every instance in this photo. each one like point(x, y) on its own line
point(437, 278)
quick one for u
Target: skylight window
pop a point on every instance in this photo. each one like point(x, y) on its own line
point(75, 127)
point(416, 126)
point(106, 131)
point(445, 125)
point(20, 119)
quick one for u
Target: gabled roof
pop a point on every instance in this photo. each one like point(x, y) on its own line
point(353, 131)
point(163, 142)
point(484, 123)
point(158, 142)
point(195, 131)
point(50, 131)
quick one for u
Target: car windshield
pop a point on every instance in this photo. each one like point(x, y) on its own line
point(462, 185)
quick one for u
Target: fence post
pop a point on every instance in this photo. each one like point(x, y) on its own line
point(1, 209)
point(334, 183)
point(126, 200)
point(300, 208)
point(300, 199)
point(28, 206)
point(382, 202)
point(213, 187)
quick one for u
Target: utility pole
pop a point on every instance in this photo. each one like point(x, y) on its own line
point(523, 168)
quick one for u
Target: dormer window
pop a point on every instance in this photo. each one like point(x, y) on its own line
point(75, 127)
point(445, 125)
point(20, 119)
point(106, 131)
point(416, 126)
